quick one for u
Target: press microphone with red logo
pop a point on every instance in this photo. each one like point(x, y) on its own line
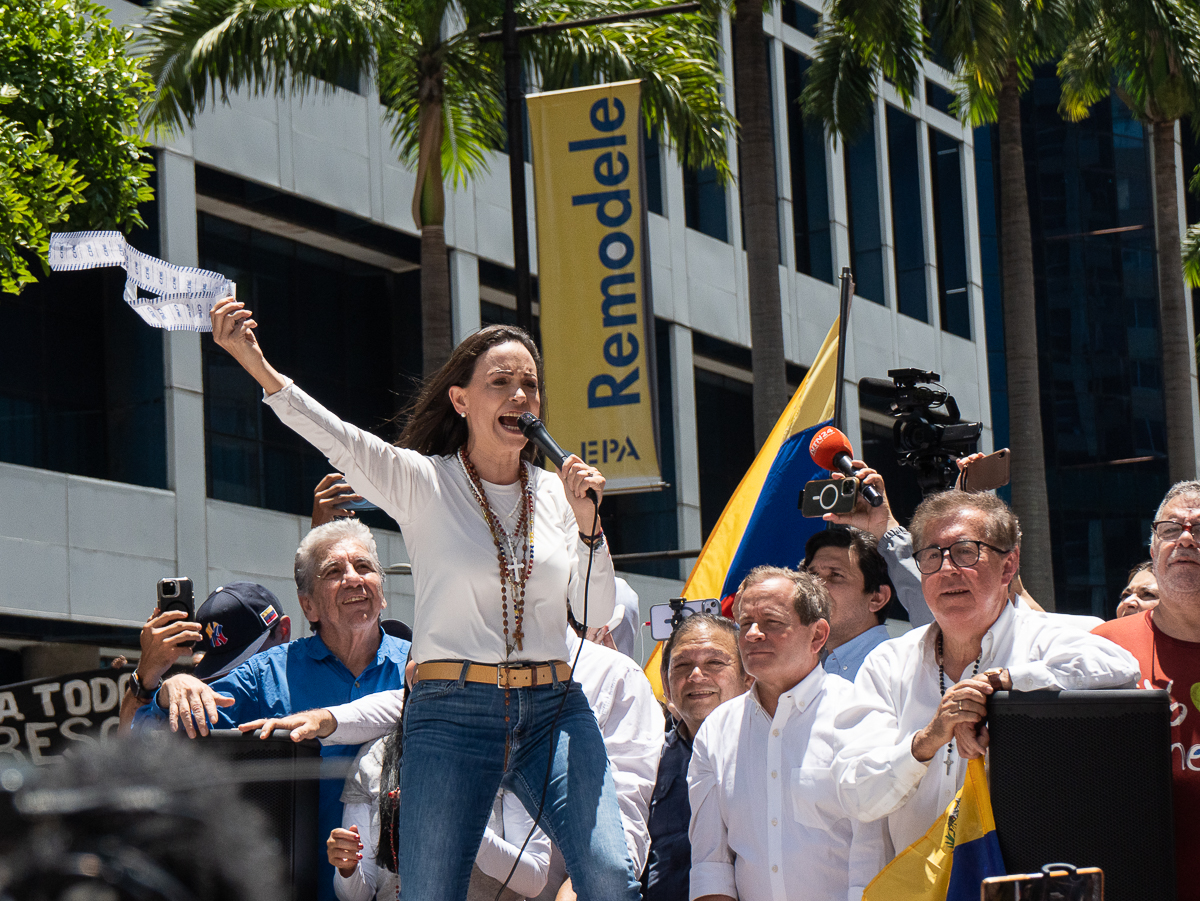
point(831, 450)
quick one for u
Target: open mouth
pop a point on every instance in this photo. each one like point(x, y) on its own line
point(511, 422)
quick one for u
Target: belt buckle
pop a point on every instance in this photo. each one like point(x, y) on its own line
point(514, 677)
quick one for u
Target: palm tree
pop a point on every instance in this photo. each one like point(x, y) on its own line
point(760, 214)
point(993, 46)
point(440, 86)
point(1148, 51)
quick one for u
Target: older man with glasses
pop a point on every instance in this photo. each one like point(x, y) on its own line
point(920, 700)
point(1165, 639)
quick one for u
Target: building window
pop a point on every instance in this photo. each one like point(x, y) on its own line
point(801, 16)
point(866, 236)
point(81, 377)
point(348, 332)
point(652, 167)
point(908, 233)
point(986, 192)
point(810, 189)
point(949, 233)
point(939, 98)
point(725, 432)
point(704, 203)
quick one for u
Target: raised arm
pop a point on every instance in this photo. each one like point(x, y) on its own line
point(895, 544)
point(233, 329)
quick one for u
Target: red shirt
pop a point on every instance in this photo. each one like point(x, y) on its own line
point(1173, 665)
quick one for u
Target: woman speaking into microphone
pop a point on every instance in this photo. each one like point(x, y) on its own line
point(499, 548)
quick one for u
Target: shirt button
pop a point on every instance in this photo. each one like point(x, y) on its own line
point(774, 868)
point(776, 732)
point(774, 774)
point(844, 668)
point(774, 822)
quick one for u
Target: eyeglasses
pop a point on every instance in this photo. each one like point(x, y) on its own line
point(964, 552)
point(1169, 529)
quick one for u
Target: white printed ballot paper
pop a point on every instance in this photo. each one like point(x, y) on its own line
point(183, 295)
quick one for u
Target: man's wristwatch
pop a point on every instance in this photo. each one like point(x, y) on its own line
point(996, 678)
point(141, 692)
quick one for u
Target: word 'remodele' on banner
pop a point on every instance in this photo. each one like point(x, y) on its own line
point(593, 278)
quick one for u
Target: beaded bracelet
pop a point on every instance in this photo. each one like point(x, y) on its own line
point(592, 541)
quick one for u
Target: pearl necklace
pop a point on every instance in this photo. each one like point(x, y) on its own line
point(942, 689)
point(511, 574)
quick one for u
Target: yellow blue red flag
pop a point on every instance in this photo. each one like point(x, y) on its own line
point(762, 523)
point(958, 852)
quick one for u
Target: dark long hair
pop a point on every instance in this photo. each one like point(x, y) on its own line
point(432, 426)
point(389, 801)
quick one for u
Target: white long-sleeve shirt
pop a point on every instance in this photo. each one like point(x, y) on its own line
point(631, 722)
point(766, 824)
point(896, 695)
point(453, 555)
point(507, 828)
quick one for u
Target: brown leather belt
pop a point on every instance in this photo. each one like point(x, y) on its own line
point(516, 676)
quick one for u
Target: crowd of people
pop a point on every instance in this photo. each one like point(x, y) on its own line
point(513, 749)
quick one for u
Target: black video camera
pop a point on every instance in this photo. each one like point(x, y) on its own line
point(926, 439)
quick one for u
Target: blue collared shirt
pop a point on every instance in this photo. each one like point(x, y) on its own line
point(301, 675)
point(845, 659)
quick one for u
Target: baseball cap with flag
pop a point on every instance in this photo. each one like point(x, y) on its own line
point(235, 621)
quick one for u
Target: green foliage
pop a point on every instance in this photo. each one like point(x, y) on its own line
point(1191, 241)
point(36, 190)
point(862, 41)
point(70, 156)
point(1148, 51)
point(427, 51)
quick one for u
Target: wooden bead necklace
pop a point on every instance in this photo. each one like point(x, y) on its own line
point(506, 554)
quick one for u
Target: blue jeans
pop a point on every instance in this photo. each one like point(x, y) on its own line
point(462, 741)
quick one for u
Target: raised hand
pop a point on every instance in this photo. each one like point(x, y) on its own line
point(233, 329)
point(578, 477)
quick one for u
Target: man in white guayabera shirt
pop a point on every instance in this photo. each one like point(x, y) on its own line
point(919, 700)
point(766, 825)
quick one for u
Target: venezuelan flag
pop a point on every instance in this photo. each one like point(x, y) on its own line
point(958, 852)
point(762, 524)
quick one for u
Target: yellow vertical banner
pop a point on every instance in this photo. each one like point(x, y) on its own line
point(596, 320)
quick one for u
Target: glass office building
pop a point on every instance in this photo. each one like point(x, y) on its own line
point(1091, 211)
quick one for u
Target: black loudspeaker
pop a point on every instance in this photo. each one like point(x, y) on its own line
point(1084, 777)
point(280, 778)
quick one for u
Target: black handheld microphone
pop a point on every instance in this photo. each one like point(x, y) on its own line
point(535, 430)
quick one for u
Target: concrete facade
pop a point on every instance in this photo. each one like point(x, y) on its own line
point(88, 550)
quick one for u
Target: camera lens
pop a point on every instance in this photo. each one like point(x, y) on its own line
point(170, 589)
point(828, 497)
point(848, 487)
